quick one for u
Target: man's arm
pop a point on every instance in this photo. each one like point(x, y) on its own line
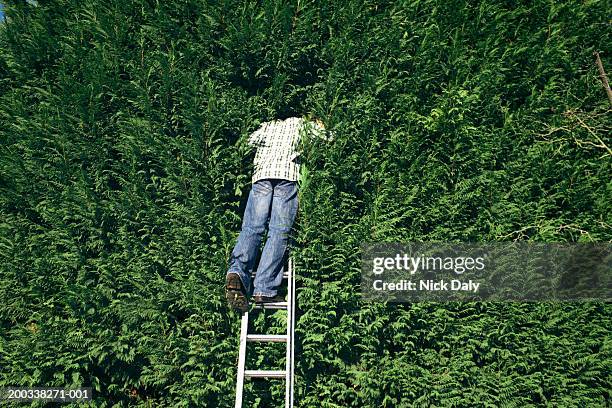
point(317, 128)
point(255, 137)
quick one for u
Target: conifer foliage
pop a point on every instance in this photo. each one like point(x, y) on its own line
point(124, 172)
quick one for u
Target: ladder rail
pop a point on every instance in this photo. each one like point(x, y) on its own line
point(289, 342)
point(292, 337)
point(244, 326)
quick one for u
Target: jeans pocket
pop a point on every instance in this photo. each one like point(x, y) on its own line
point(285, 189)
point(262, 188)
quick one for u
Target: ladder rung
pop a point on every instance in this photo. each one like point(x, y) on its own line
point(285, 275)
point(279, 338)
point(264, 374)
point(275, 305)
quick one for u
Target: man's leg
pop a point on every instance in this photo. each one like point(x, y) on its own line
point(284, 208)
point(243, 256)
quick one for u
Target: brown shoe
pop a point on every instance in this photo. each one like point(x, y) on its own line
point(235, 294)
point(268, 299)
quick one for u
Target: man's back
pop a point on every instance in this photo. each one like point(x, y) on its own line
point(277, 147)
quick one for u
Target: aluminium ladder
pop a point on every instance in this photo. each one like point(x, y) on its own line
point(245, 337)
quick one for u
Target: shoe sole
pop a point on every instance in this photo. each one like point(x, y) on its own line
point(273, 300)
point(234, 293)
point(236, 300)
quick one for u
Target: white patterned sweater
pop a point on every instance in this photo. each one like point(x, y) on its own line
point(277, 143)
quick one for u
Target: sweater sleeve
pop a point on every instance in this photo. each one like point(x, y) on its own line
point(319, 131)
point(256, 136)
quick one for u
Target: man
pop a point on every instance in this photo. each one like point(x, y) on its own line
point(272, 202)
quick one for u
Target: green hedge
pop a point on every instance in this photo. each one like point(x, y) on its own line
point(124, 171)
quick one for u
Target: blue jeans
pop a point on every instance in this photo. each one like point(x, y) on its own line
point(272, 203)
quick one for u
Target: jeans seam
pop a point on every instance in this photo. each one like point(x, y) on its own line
point(270, 294)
